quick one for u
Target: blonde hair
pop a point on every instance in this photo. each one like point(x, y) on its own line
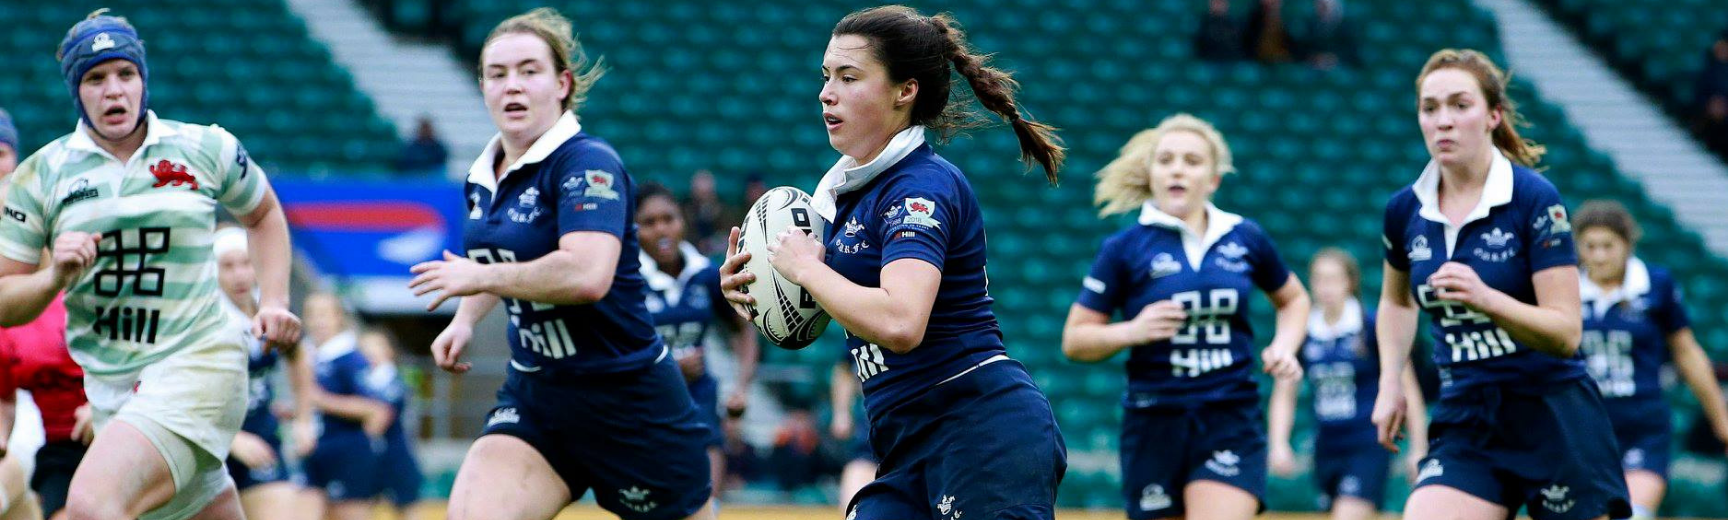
point(1126, 182)
point(567, 55)
point(1493, 82)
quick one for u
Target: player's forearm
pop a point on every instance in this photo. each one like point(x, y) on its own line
point(350, 407)
point(558, 278)
point(270, 247)
point(8, 417)
point(841, 390)
point(1281, 412)
point(870, 313)
point(1094, 342)
point(1292, 323)
point(1395, 326)
point(1694, 366)
point(1550, 331)
point(1415, 411)
point(745, 348)
point(471, 309)
point(26, 296)
point(302, 383)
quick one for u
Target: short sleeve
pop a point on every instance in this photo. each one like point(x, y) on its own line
point(1551, 242)
point(1672, 316)
point(242, 183)
point(916, 223)
point(1104, 286)
point(22, 236)
point(593, 194)
point(1392, 236)
point(1269, 271)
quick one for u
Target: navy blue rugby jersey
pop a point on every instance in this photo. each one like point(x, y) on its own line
point(341, 370)
point(1342, 364)
point(568, 181)
point(688, 309)
point(1626, 333)
point(1517, 229)
point(921, 207)
point(1159, 258)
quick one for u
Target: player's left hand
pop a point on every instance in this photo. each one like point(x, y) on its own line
point(279, 328)
point(1457, 282)
point(736, 402)
point(454, 275)
point(1280, 364)
point(792, 252)
point(84, 424)
point(305, 433)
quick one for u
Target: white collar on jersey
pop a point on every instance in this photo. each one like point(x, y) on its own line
point(659, 281)
point(481, 172)
point(1218, 223)
point(1350, 322)
point(154, 131)
point(338, 346)
point(1634, 283)
point(1497, 191)
point(847, 175)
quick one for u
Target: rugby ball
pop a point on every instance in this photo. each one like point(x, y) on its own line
point(784, 312)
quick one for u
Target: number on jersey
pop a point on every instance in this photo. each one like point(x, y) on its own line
point(1467, 346)
point(1609, 359)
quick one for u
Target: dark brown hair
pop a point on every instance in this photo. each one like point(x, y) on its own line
point(1493, 83)
point(1352, 269)
point(567, 56)
point(921, 48)
point(1610, 215)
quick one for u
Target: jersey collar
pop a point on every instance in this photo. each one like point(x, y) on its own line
point(154, 131)
point(1218, 224)
point(481, 172)
point(1497, 192)
point(338, 346)
point(1635, 283)
point(1348, 323)
point(661, 282)
point(847, 175)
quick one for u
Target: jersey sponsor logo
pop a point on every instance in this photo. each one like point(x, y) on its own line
point(946, 508)
point(1165, 265)
point(102, 42)
point(1557, 213)
point(600, 185)
point(527, 207)
point(1466, 345)
point(15, 215)
point(1430, 469)
point(868, 361)
point(1153, 498)
point(80, 191)
point(241, 159)
point(129, 251)
point(1209, 318)
point(1224, 463)
point(1554, 498)
point(506, 415)
point(170, 174)
point(1608, 359)
point(637, 499)
point(921, 212)
point(130, 324)
point(1419, 251)
point(1334, 390)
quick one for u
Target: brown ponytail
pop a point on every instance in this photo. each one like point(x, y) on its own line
point(1493, 82)
point(921, 48)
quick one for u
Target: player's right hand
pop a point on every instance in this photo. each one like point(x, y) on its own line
point(252, 451)
point(73, 253)
point(1389, 410)
point(731, 279)
point(84, 424)
point(447, 349)
point(1158, 321)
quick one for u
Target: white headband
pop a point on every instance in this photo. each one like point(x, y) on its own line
point(229, 239)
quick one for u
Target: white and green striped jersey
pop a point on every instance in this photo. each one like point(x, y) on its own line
point(152, 289)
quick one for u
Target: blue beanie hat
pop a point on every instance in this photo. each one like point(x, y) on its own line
point(96, 40)
point(8, 133)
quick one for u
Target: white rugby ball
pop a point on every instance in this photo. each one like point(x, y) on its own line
point(784, 312)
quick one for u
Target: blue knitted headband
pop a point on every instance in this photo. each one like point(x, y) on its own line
point(8, 133)
point(97, 40)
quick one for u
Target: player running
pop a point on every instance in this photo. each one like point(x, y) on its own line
point(593, 399)
point(959, 428)
point(342, 470)
point(1193, 436)
point(1481, 243)
point(1634, 322)
point(399, 477)
point(126, 202)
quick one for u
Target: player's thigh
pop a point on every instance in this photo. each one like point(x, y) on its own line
point(12, 480)
point(350, 510)
point(25, 508)
point(1213, 500)
point(503, 478)
point(1353, 508)
point(226, 506)
point(717, 469)
point(270, 501)
point(1646, 487)
point(122, 476)
point(853, 477)
point(1446, 503)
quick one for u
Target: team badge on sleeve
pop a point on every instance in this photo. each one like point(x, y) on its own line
point(1557, 214)
point(600, 184)
point(921, 212)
